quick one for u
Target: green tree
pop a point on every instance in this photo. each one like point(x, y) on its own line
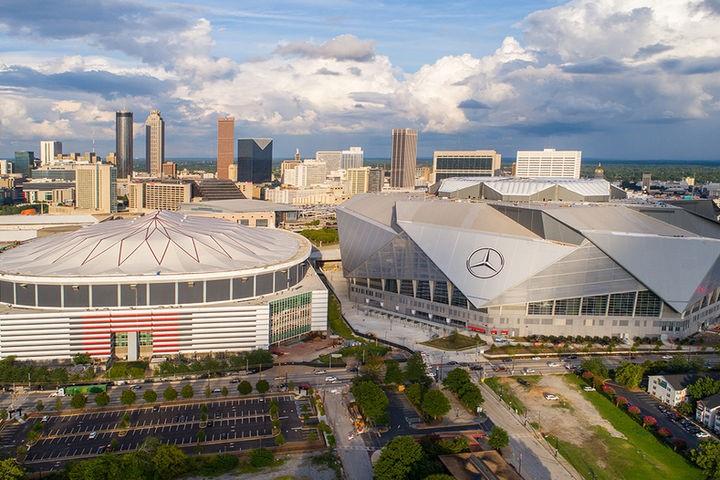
point(373, 367)
point(170, 462)
point(596, 366)
point(82, 359)
point(261, 457)
point(393, 373)
point(279, 439)
point(208, 392)
point(415, 393)
point(629, 374)
point(471, 397)
point(498, 438)
point(187, 391)
point(128, 397)
point(149, 396)
point(262, 386)
point(224, 392)
point(707, 457)
point(439, 476)
point(398, 459)
point(170, 394)
point(244, 387)
point(102, 399)
point(58, 404)
point(435, 404)
point(703, 387)
point(456, 379)
point(10, 470)
point(39, 406)
point(415, 371)
point(78, 400)
point(372, 400)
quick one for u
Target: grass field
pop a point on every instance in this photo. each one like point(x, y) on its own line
point(638, 457)
point(456, 341)
point(337, 323)
point(506, 394)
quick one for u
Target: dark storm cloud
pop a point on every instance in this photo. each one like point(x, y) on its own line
point(596, 66)
point(472, 104)
point(692, 66)
point(651, 50)
point(556, 128)
point(106, 84)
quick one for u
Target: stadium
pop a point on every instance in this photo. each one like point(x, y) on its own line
point(157, 285)
point(613, 269)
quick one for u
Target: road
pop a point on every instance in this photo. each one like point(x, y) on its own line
point(532, 456)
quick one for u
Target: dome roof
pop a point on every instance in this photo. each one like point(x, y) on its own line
point(159, 243)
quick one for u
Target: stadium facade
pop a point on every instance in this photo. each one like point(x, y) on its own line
point(160, 284)
point(520, 268)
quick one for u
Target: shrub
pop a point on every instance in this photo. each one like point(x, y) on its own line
point(261, 457)
point(78, 400)
point(244, 387)
point(150, 396)
point(102, 399)
point(187, 391)
point(170, 394)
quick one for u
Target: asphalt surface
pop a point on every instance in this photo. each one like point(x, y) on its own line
point(233, 424)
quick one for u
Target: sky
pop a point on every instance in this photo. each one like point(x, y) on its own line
point(617, 79)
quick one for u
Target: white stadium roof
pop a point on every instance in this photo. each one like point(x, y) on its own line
point(527, 186)
point(160, 243)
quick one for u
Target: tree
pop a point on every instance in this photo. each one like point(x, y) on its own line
point(393, 373)
point(703, 387)
point(596, 366)
point(415, 371)
point(102, 399)
point(634, 410)
point(664, 432)
point(82, 359)
point(170, 462)
point(372, 401)
point(685, 408)
point(208, 392)
point(150, 396)
point(621, 401)
point(128, 397)
point(58, 404)
point(456, 379)
point(261, 457)
point(244, 387)
point(435, 404)
point(398, 459)
point(39, 406)
point(498, 438)
point(629, 374)
point(707, 457)
point(10, 470)
point(78, 400)
point(224, 392)
point(415, 392)
point(262, 386)
point(279, 439)
point(187, 391)
point(649, 421)
point(170, 394)
point(471, 397)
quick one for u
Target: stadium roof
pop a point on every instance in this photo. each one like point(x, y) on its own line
point(527, 186)
point(236, 206)
point(160, 243)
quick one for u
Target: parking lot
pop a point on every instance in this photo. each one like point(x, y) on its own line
point(232, 424)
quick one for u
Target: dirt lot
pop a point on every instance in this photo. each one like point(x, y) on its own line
point(296, 467)
point(568, 418)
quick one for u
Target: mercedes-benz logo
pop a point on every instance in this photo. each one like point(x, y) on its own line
point(485, 263)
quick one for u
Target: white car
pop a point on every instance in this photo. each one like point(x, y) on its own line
point(331, 379)
point(702, 434)
point(92, 435)
point(667, 357)
point(550, 396)
point(588, 388)
point(536, 358)
point(320, 372)
point(528, 371)
point(553, 364)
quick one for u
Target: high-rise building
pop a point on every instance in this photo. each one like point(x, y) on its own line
point(225, 147)
point(124, 143)
point(352, 158)
point(464, 163)
point(95, 187)
point(6, 167)
point(24, 162)
point(548, 163)
point(297, 155)
point(88, 157)
point(111, 158)
point(254, 159)
point(404, 158)
point(363, 180)
point(332, 159)
point(154, 143)
point(48, 150)
point(646, 181)
point(166, 196)
point(309, 173)
point(169, 170)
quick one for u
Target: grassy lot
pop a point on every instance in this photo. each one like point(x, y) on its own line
point(506, 394)
point(337, 323)
point(638, 457)
point(321, 236)
point(530, 380)
point(455, 341)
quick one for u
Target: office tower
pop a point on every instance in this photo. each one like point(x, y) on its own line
point(88, 157)
point(332, 159)
point(111, 158)
point(48, 150)
point(225, 147)
point(464, 163)
point(254, 160)
point(549, 163)
point(136, 196)
point(289, 176)
point(352, 158)
point(154, 143)
point(297, 154)
point(309, 173)
point(404, 158)
point(166, 196)
point(363, 180)
point(646, 181)
point(169, 170)
point(24, 162)
point(6, 167)
point(95, 187)
point(124, 143)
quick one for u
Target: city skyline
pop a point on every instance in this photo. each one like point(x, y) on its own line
point(640, 82)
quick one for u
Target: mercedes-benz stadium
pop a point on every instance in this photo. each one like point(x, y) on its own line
point(520, 268)
point(160, 284)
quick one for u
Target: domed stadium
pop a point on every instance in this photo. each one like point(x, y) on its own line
point(148, 285)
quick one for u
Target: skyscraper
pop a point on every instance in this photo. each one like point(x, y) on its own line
point(549, 163)
point(332, 159)
point(225, 146)
point(154, 143)
point(24, 162)
point(124, 143)
point(254, 158)
point(404, 158)
point(48, 150)
point(352, 158)
point(95, 187)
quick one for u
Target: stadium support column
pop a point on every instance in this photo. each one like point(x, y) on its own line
point(133, 346)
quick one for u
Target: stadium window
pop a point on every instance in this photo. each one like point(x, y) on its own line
point(595, 305)
point(621, 304)
point(440, 295)
point(648, 304)
point(540, 308)
point(567, 306)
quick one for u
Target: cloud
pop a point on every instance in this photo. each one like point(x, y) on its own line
point(326, 71)
point(692, 66)
point(651, 50)
point(596, 66)
point(472, 104)
point(342, 48)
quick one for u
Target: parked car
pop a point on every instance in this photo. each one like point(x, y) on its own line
point(702, 434)
point(217, 390)
point(550, 396)
point(320, 372)
point(588, 388)
point(92, 435)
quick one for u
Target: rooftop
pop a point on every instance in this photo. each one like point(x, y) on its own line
point(245, 205)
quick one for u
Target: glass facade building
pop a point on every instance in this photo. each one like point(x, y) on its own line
point(254, 160)
point(24, 162)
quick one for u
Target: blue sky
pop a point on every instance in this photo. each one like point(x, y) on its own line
point(615, 78)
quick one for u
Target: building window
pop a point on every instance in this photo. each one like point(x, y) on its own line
point(458, 298)
point(440, 294)
point(146, 339)
point(596, 305)
point(621, 304)
point(261, 222)
point(423, 290)
point(540, 308)
point(648, 304)
point(391, 285)
point(406, 288)
point(376, 283)
point(121, 339)
point(567, 306)
point(290, 317)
